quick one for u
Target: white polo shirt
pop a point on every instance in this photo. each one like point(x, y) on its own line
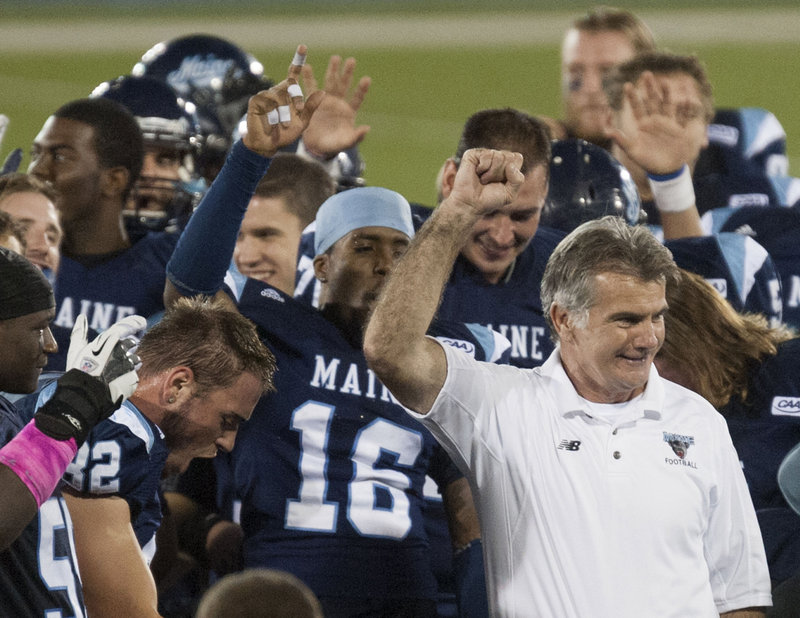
point(645, 516)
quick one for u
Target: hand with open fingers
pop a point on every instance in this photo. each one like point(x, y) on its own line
point(110, 357)
point(659, 135)
point(487, 179)
point(333, 128)
point(278, 116)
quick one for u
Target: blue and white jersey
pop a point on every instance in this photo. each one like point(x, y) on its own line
point(39, 570)
point(778, 231)
point(123, 456)
point(512, 307)
point(738, 267)
point(330, 469)
point(764, 429)
point(748, 138)
point(129, 283)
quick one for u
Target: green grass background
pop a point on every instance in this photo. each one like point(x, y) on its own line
point(420, 97)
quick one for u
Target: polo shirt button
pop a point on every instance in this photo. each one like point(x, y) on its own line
point(614, 433)
point(617, 454)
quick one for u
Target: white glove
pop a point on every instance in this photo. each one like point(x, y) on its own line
point(111, 356)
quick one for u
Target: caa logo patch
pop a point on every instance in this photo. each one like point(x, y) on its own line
point(738, 200)
point(459, 344)
point(723, 134)
point(786, 406)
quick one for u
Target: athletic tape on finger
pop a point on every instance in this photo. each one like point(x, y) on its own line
point(295, 90)
point(273, 117)
point(285, 113)
point(299, 59)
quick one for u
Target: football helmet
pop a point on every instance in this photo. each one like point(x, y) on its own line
point(213, 73)
point(168, 188)
point(587, 183)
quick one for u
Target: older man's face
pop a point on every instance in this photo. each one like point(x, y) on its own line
point(608, 358)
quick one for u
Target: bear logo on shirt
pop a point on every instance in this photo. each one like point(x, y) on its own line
point(680, 444)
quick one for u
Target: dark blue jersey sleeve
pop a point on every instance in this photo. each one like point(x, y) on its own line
point(39, 571)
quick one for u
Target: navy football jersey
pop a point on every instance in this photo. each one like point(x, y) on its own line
point(39, 571)
point(330, 469)
point(129, 283)
point(123, 456)
point(512, 307)
point(738, 267)
point(778, 231)
point(764, 428)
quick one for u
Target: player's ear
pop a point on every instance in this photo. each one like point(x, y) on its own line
point(178, 385)
point(447, 177)
point(114, 180)
point(321, 264)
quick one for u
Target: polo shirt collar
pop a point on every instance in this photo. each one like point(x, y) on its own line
point(569, 402)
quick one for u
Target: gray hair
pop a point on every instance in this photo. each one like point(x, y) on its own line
point(595, 247)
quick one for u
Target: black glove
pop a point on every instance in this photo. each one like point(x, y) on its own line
point(78, 404)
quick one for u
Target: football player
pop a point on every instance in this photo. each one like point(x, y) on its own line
point(31, 203)
point(168, 187)
point(202, 370)
point(284, 203)
point(38, 568)
point(91, 151)
point(328, 473)
point(591, 47)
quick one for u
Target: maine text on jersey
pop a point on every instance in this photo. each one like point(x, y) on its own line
point(349, 379)
point(527, 341)
point(99, 315)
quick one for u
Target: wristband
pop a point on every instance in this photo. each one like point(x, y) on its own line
point(673, 192)
point(38, 460)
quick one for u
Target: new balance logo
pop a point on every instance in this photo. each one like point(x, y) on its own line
point(569, 445)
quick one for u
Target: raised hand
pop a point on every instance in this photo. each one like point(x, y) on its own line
point(668, 129)
point(487, 179)
point(333, 127)
point(278, 116)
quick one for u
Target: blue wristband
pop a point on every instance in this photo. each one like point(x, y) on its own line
point(670, 176)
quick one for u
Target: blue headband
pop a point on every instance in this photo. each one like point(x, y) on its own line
point(352, 209)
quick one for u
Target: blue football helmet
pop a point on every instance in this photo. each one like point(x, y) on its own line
point(217, 76)
point(169, 188)
point(587, 183)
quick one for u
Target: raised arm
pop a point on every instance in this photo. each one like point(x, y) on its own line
point(411, 365)
point(660, 142)
point(275, 118)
